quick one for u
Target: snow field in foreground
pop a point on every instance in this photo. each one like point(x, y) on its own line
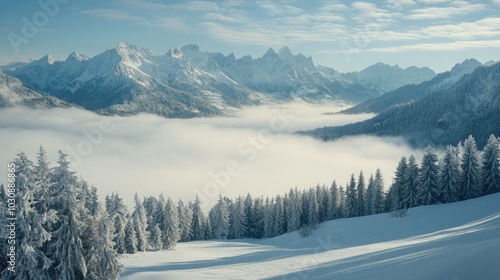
point(451, 241)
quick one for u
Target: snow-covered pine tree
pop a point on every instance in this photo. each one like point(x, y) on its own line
point(342, 203)
point(470, 179)
point(118, 213)
point(198, 220)
point(207, 225)
point(377, 203)
point(410, 183)
point(429, 187)
point(248, 208)
point(450, 175)
point(42, 181)
point(350, 203)
point(268, 218)
point(333, 211)
point(100, 256)
point(219, 219)
point(258, 218)
point(278, 216)
point(238, 220)
point(369, 195)
point(398, 187)
point(130, 238)
point(313, 211)
point(156, 238)
point(170, 232)
point(322, 197)
point(361, 195)
point(65, 248)
point(185, 221)
point(294, 210)
point(140, 223)
point(31, 262)
point(491, 166)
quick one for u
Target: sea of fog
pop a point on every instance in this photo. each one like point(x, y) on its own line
point(253, 150)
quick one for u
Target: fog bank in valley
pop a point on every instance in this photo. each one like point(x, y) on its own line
point(252, 150)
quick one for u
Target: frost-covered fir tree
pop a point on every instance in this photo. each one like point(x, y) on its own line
point(369, 195)
point(140, 223)
point(238, 220)
point(313, 211)
point(470, 179)
point(410, 184)
point(429, 188)
point(268, 218)
point(219, 219)
point(333, 211)
point(65, 247)
point(207, 225)
point(156, 237)
point(450, 175)
point(185, 220)
point(198, 220)
point(171, 233)
point(491, 166)
point(377, 195)
point(398, 187)
point(130, 238)
point(361, 195)
point(342, 203)
point(248, 209)
point(278, 217)
point(294, 210)
point(100, 256)
point(42, 181)
point(350, 202)
point(118, 213)
point(322, 197)
point(31, 237)
point(258, 218)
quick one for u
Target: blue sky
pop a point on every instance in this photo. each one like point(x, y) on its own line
point(345, 35)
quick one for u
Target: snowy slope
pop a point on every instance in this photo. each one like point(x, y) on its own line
point(452, 241)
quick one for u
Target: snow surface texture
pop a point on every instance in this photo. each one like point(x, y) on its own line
point(451, 241)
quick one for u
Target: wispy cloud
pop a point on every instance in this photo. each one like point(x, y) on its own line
point(457, 8)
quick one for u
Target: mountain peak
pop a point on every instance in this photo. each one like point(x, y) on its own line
point(74, 56)
point(190, 48)
point(270, 53)
point(467, 65)
point(48, 59)
point(285, 52)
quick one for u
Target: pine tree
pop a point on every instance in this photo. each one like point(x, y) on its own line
point(198, 220)
point(65, 248)
point(238, 220)
point(185, 221)
point(130, 238)
point(140, 223)
point(491, 166)
point(313, 213)
point(398, 188)
point(170, 234)
point(369, 195)
point(31, 262)
point(268, 218)
point(429, 190)
point(156, 238)
point(410, 184)
point(258, 218)
point(342, 203)
point(470, 179)
point(333, 202)
point(209, 234)
point(118, 213)
point(42, 181)
point(219, 219)
point(248, 209)
point(377, 203)
point(294, 210)
point(361, 195)
point(450, 175)
point(351, 206)
point(278, 217)
point(100, 256)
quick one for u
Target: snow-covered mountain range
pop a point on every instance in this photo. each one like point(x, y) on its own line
point(187, 82)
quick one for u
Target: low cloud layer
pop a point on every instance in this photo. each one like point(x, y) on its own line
point(252, 151)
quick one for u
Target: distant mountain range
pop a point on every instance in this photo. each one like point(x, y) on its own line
point(186, 82)
point(441, 111)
